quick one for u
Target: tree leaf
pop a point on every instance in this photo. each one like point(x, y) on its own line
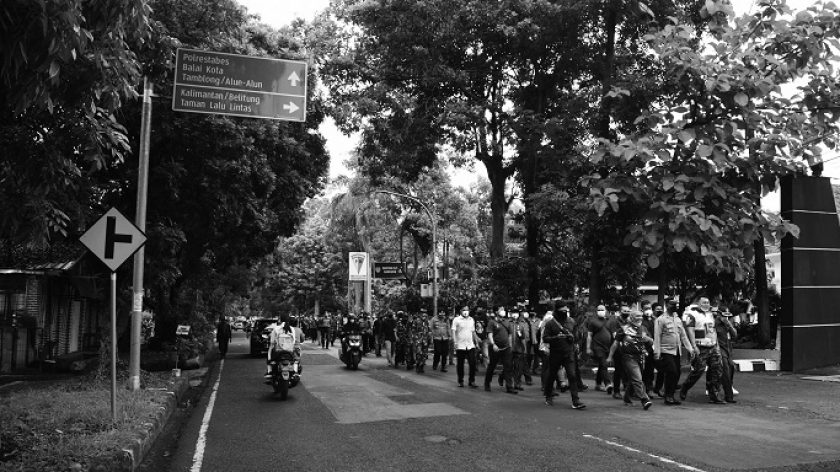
point(741, 99)
point(687, 135)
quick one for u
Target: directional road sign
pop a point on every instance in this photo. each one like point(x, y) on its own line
point(388, 270)
point(113, 239)
point(237, 85)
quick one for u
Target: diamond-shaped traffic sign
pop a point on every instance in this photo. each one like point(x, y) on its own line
point(113, 239)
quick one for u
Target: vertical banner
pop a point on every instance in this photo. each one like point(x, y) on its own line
point(358, 270)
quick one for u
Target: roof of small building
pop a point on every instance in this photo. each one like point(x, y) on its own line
point(59, 255)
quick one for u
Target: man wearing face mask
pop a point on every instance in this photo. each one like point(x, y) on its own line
point(701, 330)
point(440, 339)
point(648, 321)
point(498, 337)
point(618, 371)
point(669, 334)
point(518, 339)
point(631, 340)
point(463, 334)
point(561, 354)
point(532, 356)
point(598, 342)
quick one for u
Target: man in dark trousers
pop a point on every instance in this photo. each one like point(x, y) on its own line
point(498, 336)
point(561, 343)
point(223, 336)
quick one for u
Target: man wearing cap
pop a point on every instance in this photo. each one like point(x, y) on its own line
point(464, 337)
point(498, 338)
point(668, 335)
point(725, 332)
point(440, 340)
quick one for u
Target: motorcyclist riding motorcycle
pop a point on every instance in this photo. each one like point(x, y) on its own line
point(285, 326)
point(352, 326)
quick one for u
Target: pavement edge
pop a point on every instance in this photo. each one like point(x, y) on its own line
point(131, 456)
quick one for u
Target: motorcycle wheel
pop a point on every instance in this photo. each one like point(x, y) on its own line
point(354, 365)
point(281, 386)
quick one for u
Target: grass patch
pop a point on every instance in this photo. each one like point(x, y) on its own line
point(66, 426)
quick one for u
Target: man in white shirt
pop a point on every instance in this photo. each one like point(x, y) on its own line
point(463, 335)
point(700, 327)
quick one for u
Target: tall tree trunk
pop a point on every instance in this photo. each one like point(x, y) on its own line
point(532, 228)
point(498, 206)
point(761, 301)
point(663, 279)
point(594, 278)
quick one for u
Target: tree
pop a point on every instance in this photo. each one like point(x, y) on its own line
point(421, 75)
point(725, 135)
point(222, 190)
point(65, 68)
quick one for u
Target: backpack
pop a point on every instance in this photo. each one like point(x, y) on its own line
point(285, 341)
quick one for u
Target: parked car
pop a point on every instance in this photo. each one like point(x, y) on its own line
point(260, 337)
point(237, 325)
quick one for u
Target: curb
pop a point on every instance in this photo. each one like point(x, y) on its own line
point(131, 456)
point(756, 365)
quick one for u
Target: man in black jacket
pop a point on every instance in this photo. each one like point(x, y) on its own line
point(561, 343)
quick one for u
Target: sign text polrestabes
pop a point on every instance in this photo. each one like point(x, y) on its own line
point(232, 84)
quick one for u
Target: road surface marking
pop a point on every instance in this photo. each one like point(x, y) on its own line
point(198, 458)
point(659, 458)
point(11, 383)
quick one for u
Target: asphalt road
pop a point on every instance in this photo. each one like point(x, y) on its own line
point(383, 419)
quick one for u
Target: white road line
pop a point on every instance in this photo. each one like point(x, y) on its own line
point(198, 458)
point(659, 458)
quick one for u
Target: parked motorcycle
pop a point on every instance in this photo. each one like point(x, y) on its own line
point(352, 356)
point(285, 372)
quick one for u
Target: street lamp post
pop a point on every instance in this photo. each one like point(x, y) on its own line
point(434, 243)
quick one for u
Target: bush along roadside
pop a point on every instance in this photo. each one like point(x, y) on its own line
point(68, 426)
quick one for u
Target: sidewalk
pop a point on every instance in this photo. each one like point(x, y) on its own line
point(131, 455)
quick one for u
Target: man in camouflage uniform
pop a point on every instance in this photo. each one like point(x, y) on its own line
point(402, 339)
point(421, 335)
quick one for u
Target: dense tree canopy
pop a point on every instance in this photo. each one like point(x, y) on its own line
point(222, 190)
point(65, 68)
point(708, 151)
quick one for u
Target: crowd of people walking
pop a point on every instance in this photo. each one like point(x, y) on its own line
point(644, 343)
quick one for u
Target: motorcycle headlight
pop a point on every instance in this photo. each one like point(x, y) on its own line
point(265, 336)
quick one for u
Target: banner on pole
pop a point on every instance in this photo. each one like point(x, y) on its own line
point(358, 269)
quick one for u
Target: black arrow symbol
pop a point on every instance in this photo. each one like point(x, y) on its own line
point(112, 237)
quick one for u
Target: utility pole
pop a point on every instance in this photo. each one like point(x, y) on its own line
point(140, 222)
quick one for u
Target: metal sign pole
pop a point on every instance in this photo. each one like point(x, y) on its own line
point(114, 347)
point(368, 284)
point(140, 221)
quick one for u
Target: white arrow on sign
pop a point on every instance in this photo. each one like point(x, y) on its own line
point(291, 107)
point(294, 79)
